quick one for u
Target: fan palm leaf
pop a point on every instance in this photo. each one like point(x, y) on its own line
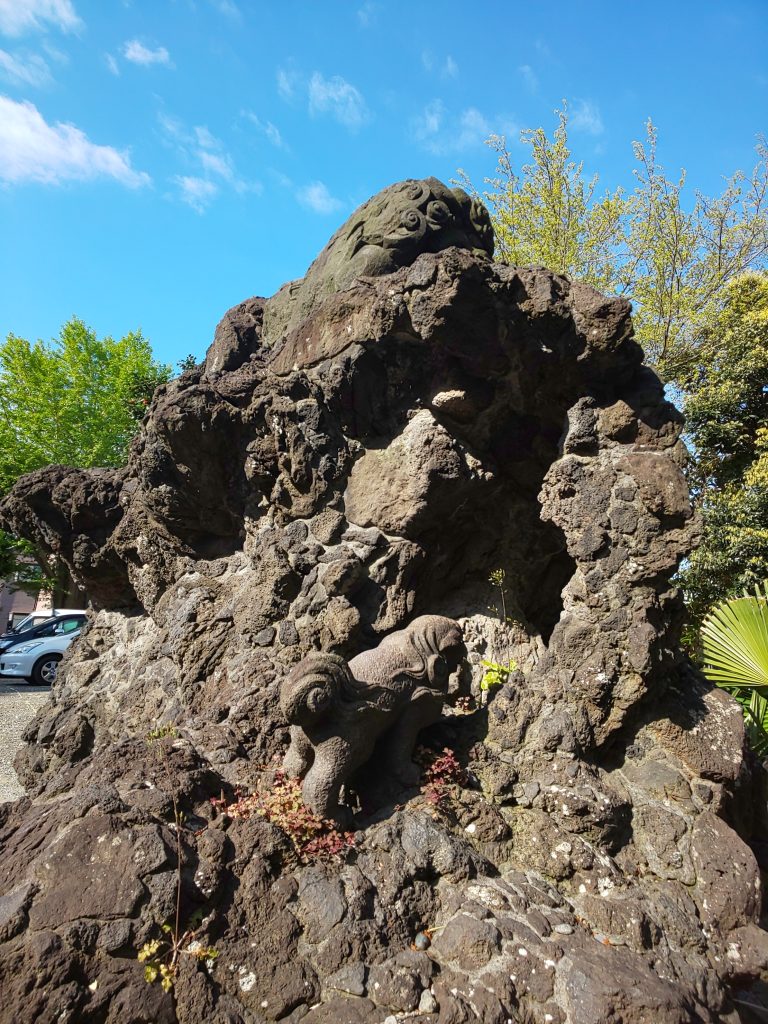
point(735, 641)
point(735, 644)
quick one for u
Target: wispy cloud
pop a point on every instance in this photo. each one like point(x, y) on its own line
point(201, 149)
point(317, 198)
point(218, 164)
point(442, 133)
point(529, 77)
point(18, 17)
point(228, 8)
point(26, 69)
point(445, 67)
point(585, 117)
point(287, 83)
point(33, 150)
point(206, 138)
point(271, 131)
point(338, 98)
point(112, 64)
point(137, 53)
point(196, 192)
point(367, 13)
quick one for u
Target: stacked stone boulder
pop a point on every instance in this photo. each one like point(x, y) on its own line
point(366, 447)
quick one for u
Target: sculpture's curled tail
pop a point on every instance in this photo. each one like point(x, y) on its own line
point(314, 687)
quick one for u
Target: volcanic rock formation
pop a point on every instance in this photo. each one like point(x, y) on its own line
point(367, 447)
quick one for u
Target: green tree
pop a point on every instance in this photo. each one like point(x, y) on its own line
point(76, 402)
point(726, 407)
point(671, 258)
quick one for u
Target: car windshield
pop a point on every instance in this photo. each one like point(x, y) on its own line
point(45, 628)
point(27, 623)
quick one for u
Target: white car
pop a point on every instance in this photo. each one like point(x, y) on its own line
point(37, 660)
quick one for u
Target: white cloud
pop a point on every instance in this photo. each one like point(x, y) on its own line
point(339, 98)
point(316, 197)
point(440, 134)
point(216, 164)
point(586, 118)
point(33, 150)
point(447, 68)
point(196, 192)
point(367, 13)
point(286, 83)
point(20, 16)
point(30, 69)
point(205, 138)
point(529, 77)
point(271, 131)
point(112, 64)
point(54, 53)
point(137, 53)
point(473, 129)
point(201, 147)
point(427, 124)
point(227, 7)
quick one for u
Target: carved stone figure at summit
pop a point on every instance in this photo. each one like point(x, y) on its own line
point(337, 711)
point(384, 234)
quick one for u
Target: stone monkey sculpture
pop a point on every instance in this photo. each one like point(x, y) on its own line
point(338, 711)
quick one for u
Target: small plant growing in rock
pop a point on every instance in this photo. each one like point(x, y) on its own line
point(496, 673)
point(281, 803)
point(442, 773)
point(161, 732)
point(161, 956)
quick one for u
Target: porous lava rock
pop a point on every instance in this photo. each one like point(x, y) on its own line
point(366, 447)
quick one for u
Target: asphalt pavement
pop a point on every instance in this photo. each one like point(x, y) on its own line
point(18, 704)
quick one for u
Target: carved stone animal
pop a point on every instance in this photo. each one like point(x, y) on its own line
point(387, 232)
point(338, 711)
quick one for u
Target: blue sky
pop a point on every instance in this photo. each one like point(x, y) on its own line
point(161, 160)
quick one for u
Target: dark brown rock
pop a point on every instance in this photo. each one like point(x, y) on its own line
point(360, 450)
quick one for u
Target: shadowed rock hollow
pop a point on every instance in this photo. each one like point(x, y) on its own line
point(366, 447)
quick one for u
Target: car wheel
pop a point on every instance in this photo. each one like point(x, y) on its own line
point(44, 671)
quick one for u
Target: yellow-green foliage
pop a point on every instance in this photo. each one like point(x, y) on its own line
point(76, 401)
point(161, 956)
point(672, 254)
point(727, 426)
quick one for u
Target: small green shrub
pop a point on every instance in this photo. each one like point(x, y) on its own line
point(495, 674)
point(161, 956)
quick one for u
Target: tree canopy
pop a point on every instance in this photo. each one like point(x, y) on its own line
point(76, 401)
point(726, 407)
point(671, 254)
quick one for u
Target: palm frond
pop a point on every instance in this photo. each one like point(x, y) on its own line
point(735, 641)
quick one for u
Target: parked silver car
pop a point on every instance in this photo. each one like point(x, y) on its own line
point(37, 661)
point(51, 624)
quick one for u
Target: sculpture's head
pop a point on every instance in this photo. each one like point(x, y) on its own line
point(387, 232)
point(418, 215)
point(438, 644)
point(313, 688)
